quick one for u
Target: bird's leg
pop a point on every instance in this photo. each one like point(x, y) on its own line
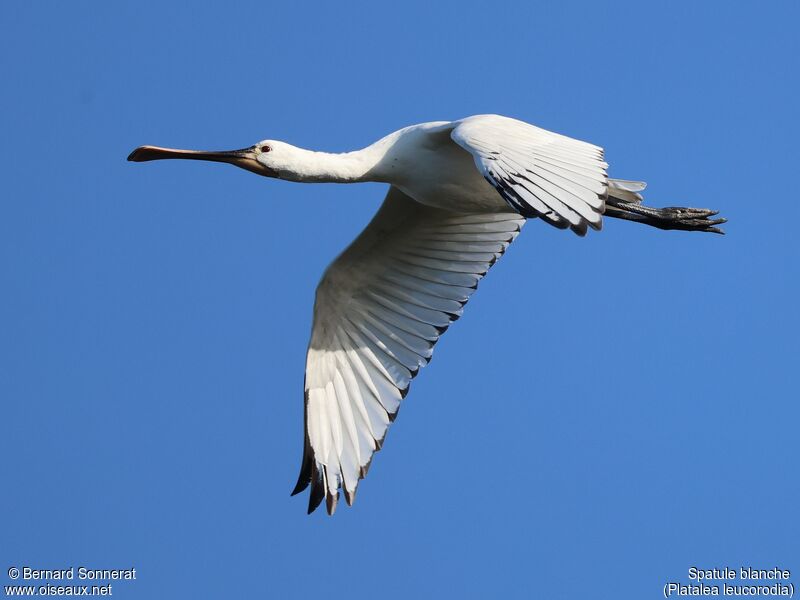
point(670, 217)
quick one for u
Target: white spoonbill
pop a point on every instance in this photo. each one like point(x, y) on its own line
point(459, 193)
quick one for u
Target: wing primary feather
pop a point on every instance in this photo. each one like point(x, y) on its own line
point(354, 388)
point(331, 492)
point(317, 488)
point(382, 380)
point(304, 479)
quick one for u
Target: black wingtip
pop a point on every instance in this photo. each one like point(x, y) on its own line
point(306, 463)
point(301, 485)
point(317, 489)
point(305, 469)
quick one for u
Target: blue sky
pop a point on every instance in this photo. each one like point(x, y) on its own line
point(609, 412)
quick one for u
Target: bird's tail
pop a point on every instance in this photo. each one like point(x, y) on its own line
point(624, 201)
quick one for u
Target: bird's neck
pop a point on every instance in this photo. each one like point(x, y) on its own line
point(323, 167)
point(367, 164)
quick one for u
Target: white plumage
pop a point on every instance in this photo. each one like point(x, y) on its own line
point(380, 308)
point(460, 192)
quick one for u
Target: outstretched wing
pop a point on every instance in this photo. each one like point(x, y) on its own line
point(380, 308)
point(539, 173)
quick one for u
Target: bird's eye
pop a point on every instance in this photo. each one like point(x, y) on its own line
point(265, 148)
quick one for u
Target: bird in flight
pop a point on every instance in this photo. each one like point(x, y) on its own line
point(459, 194)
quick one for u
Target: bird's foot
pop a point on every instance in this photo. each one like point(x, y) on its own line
point(670, 217)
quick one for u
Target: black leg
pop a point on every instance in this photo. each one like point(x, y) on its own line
point(670, 217)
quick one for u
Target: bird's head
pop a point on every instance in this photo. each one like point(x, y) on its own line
point(267, 158)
